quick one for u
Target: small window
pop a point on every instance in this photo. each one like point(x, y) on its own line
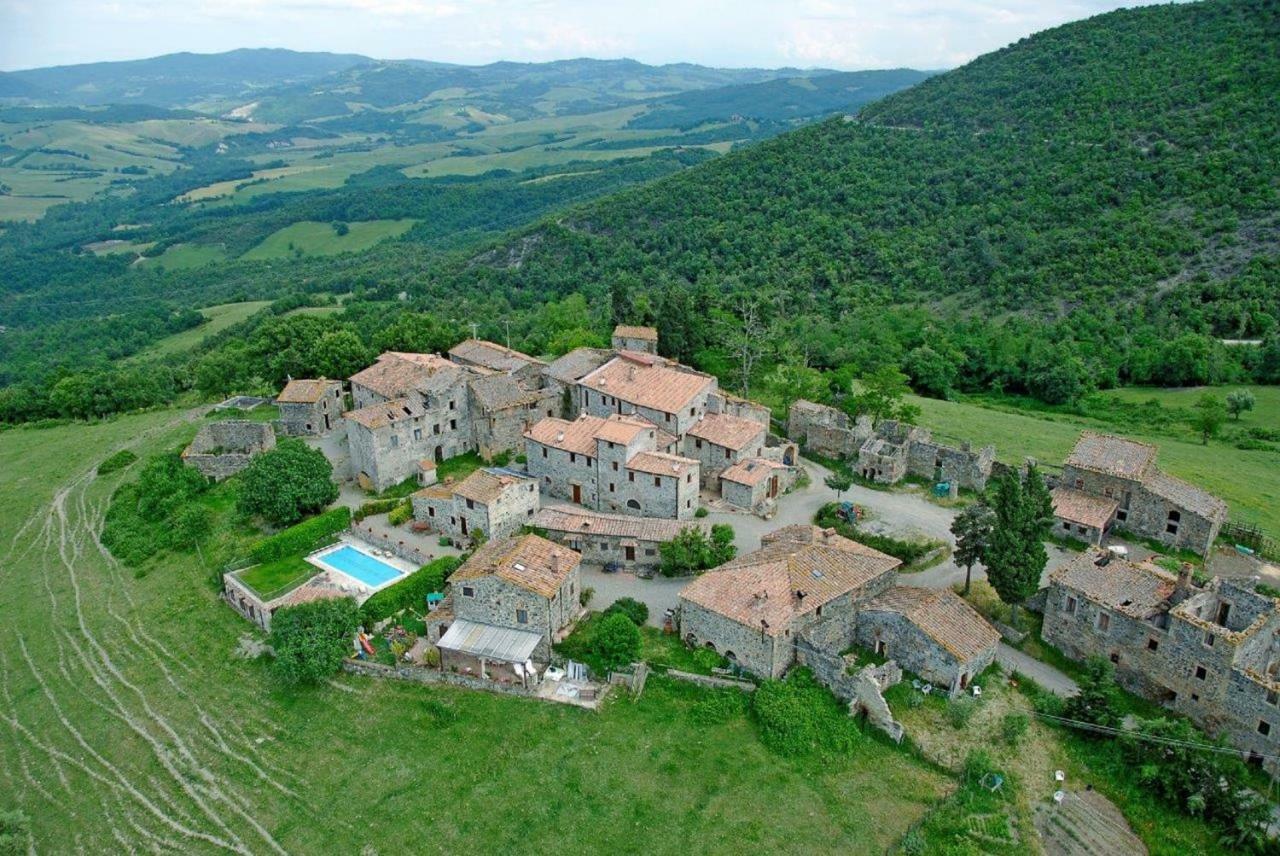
point(615, 466)
point(451, 405)
point(1209, 639)
point(1195, 696)
point(693, 411)
point(1066, 526)
point(1264, 727)
point(453, 424)
point(573, 458)
point(1201, 673)
point(1115, 657)
point(1153, 645)
point(522, 616)
point(417, 433)
point(657, 481)
point(1273, 698)
point(697, 443)
point(728, 454)
point(1079, 484)
point(395, 442)
point(544, 451)
point(688, 479)
point(435, 429)
point(431, 512)
point(1171, 528)
point(1175, 517)
point(612, 488)
point(649, 551)
point(471, 503)
point(468, 591)
point(1071, 604)
point(1104, 621)
point(631, 477)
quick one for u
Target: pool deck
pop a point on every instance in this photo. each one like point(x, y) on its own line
point(363, 590)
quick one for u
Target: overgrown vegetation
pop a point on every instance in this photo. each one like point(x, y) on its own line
point(798, 716)
point(694, 551)
point(311, 640)
point(118, 461)
point(159, 511)
point(409, 593)
point(287, 483)
point(908, 552)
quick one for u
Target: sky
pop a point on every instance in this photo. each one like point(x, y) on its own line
point(840, 34)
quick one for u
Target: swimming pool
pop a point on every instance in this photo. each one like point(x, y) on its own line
point(369, 570)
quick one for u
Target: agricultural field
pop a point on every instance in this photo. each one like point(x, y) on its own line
point(128, 716)
point(1248, 480)
point(220, 318)
point(321, 239)
point(185, 256)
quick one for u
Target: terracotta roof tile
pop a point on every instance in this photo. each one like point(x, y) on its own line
point(1084, 508)
point(647, 383)
point(587, 523)
point(660, 463)
point(384, 413)
point(626, 331)
point(1137, 590)
point(305, 391)
point(577, 436)
point(529, 561)
point(485, 485)
point(751, 471)
point(491, 356)
point(731, 432)
point(396, 373)
point(943, 616)
point(1116, 456)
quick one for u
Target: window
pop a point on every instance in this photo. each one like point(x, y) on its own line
point(544, 451)
point(471, 503)
point(631, 477)
point(1066, 526)
point(818, 611)
point(522, 616)
point(728, 455)
point(451, 405)
point(1209, 639)
point(1171, 528)
point(1224, 611)
point(649, 551)
point(453, 424)
point(1104, 621)
point(612, 488)
point(468, 591)
point(1122, 515)
point(1153, 645)
point(1201, 673)
point(1195, 696)
point(1071, 604)
point(1273, 698)
point(417, 433)
point(435, 429)
point(1175, 517)
point(431, 512)
point(657, 481)
point(688, 503)
point(689, 478)
point(697, 443)
point(588, 461)
point(1079, 484)
point(666, 417)
point(693, 411)
point(615, 466)
point(1264, 727)
point(395, 441)
point(573, 458)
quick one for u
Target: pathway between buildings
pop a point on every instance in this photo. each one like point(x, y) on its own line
point(1042, 673)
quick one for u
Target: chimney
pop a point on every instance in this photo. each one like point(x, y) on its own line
point(827, 535)
point(1182, 590)
point(555, 561)
point(631, 373)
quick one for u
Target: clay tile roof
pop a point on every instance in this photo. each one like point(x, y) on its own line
point(660, 463)
point(1137, 590)
point(1112, 455)
point(578, 363)
point(435, 491)
point(587, 523)
point(484, 485)
point(647, 384)
point(767, 583)
point(529, 561)
point(397, 373)
point(751, 471)
point(732, 432)
point(492, 356)
point(384, 413)
point(500, 391)
point(1077, 506)
point(1188, 496)
point(629, 332)
point(943, 616)
point(319, 587)
point(576, 436)
point(623, 429)
point(304, 391)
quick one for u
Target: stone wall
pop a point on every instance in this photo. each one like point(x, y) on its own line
point(722, 402)
point(637, 493)
point(825, 430)
point(503, 430)
point(917, 652)
point(958, 465)
point(760, 654)
point(1145, 513)
point(222, 449)
point(423, 675)
point(715, 459)
point(495, 601)
point(300, 419)
point(389, 454)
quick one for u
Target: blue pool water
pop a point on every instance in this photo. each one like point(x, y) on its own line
point(367, 569)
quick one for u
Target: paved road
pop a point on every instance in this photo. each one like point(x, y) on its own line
point(1011, 659)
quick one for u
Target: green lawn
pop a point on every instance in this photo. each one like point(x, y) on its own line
point(309, 238)
point(1248, 480)
point(220, 318)
point(187, 256)
point(128, 717)
point(272, 578)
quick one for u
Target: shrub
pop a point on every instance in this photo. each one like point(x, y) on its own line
point(376, 506)
point(1098, 699)
point(302, 538)
point(1013, 726)
point(631, 608)
point(615, 641)
point(310, 640)
point(692, 550)
point(961, 710)
point(141, 519)
point(287, 483)
point(118, 461)
point(584, 596)
point(798, 716)
point(401, 514)
point(905, 551)
point(412, 591)
point(444, 541)
point(701, 512)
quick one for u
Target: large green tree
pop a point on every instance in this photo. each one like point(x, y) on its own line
point(1207, 417)
point(310, 640)
point(972, 528)
point(287, 483)
point(1015, 556)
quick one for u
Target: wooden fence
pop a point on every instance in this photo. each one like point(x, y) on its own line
point(1253, 537)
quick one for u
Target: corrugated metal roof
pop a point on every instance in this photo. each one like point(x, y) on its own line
point(492, 643)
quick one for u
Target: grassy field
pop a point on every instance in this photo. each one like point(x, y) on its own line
point(309, 238)
point(185, 256)
point(1248, 480)
point(126, 716)
point(220, 318)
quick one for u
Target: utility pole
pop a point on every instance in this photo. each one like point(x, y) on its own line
point(474, 326)
point(508, 323)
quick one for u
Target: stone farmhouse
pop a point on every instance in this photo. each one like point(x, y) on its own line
point(718, 441)
point(670, 396)
point(640, 339)
point(310, 407)
point(222, 449)
point(889, 451)
point(619, 463)
point(495, 503)
point(509, 602)
point(755, 483)
point(565, 373)
point(754, 608)
point(1210, 653)
point(630, 543)
point(931, 632)
point(1111, 481)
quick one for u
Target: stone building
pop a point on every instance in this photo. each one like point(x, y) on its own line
point(397, 374)
point(1210, 653)
point(1148, 502)
point(494, 502)
point(563, 375)
point(502, 410)
point(754, 484)
point(825, 430)
point(492, 357)
point(631, 543)
point(1081, 515)
point(223, 448)
point(718, 441)
point(670, 396)
point(518, 595)
point(732, 405)
point(643, 340)
point(753, 609)
point(931, 632)
point(310, 407)
point(619, 464)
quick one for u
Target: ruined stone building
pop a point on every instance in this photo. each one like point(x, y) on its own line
point(643, 340)
point(618, 463)
point(311, 407)
point(564, 374)
point(223, 448)
point(1131, 492)
point(1210, 653)
point(493, 502)
point(630, 543)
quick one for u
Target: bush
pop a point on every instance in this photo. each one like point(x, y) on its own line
point(401, 514)
point(1099, 697)
point(15, 830)
point(905, 551)
point(615, 641)
point(701, 512)
point(118, 461)
point(631, 608)
point(692, 551)
point(1014, 726)
point(411, 592)
point(311, 640)
point(143, 515)
point(376, 506)
point(302, 538)
point(798, 716)
point(584, 596)
point(287, 483)
point(961, 710)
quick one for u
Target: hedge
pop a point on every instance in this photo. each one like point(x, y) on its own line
point(411, 591)
point(303, 537)
point(376, 506)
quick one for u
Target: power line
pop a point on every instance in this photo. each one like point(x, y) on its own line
point(1149, 738)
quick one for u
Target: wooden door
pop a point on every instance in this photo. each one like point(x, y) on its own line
point(577, 493)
